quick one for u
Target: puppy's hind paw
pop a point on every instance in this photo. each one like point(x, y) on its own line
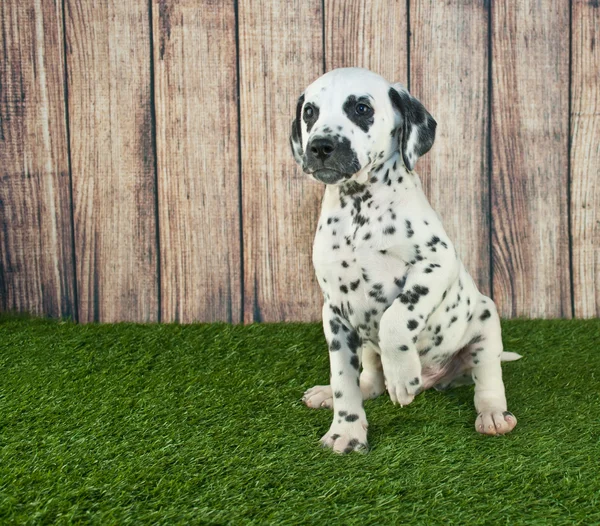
point(319, 396)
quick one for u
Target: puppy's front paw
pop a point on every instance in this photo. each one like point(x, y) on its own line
point(318, 396)
point(495, 422)
point(403, 390)
point(402, 383)
point(345, 438)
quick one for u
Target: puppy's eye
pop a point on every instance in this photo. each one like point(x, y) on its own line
point(363, 109)
point(308, 112)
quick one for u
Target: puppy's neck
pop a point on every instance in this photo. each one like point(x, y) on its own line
point(392, 172)
point(389, 176)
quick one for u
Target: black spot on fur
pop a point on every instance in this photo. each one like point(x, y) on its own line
point(422, 291)
point(485, 315)
point(338, 394)
point(354, 362)
point(403, 347)
point(352, 418)
point(363, 121)
point(351, 445)
point(335, 328)
point(412, 296)
point(399, 282)
point(335, 345)
point(353, 341)
point(412, 324)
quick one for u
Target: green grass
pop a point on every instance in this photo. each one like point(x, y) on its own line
point(168, 424)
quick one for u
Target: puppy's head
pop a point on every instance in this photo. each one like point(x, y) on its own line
point(350, 120)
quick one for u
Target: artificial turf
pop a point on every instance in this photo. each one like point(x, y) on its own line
point(173, 424)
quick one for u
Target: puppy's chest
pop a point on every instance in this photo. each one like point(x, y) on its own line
point(356, 275)
point(339, 239)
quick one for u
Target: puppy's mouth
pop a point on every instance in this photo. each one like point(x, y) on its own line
point(329, 176)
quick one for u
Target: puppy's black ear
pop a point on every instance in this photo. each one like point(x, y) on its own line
point(418, 126)
point(296, 134)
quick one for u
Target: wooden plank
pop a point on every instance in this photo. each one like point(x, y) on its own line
point(36, 258)
point(367, 34)
point(449, 74)
point(198, 161)
point(281, 52)
point(113, 158)
point(585, 158)
point(530, 92)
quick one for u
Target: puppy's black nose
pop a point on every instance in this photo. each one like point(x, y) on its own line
point(322, 147)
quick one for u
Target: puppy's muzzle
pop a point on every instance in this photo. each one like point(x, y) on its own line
point(331, 161)
point(322, 148)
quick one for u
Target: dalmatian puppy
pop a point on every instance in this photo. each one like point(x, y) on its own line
point(397, 298)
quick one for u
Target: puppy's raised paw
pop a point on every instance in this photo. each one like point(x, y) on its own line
point(402, 390)
point(403, 381)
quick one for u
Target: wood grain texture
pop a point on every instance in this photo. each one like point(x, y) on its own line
point(36, 258)
point(113, 159)
point(198, 163)
point(585, 157)
point(281, 52)
point(529, 186)
point(449, 74)
point(367, 34)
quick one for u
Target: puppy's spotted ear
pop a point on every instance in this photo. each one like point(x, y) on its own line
point(417, 127)
point(296, 134)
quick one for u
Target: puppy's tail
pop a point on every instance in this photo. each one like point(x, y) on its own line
point(509, 356)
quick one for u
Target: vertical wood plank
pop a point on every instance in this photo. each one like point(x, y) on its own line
point(36, 258)
point(585, 157)
point(281, 52)
point(529, 186)
point(367, 34)
point(449, 74)
point(113, 159)
point(198, 162)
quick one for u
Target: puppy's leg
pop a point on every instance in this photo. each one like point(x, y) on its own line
point(399, 356)
point(371, 381)
point(493, 417)
point(402, 323)
point(348, 431)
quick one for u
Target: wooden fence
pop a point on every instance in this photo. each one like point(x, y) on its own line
point(144, 164)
